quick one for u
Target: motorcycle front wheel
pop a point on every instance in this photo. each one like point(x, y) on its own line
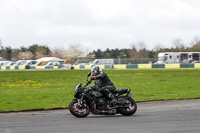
point(127, 111)
point(78, 112)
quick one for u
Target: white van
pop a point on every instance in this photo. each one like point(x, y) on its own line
point(177, 57)
point(102, 62)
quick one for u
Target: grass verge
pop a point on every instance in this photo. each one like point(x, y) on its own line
point(25, 90)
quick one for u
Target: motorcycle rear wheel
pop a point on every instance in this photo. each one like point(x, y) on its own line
point(78, 112)
point(127, 111)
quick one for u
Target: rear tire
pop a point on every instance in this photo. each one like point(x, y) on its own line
point(127, 111)
point(78, 112)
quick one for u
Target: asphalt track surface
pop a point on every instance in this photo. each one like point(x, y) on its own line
point(151, 117)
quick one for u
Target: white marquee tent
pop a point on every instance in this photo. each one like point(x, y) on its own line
point(51, 59)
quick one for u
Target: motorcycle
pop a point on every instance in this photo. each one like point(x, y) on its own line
point(88, 100)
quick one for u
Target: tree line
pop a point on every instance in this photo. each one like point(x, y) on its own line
point(24, 53)
point(75, 51)
point(139, 50)
point(36, 51)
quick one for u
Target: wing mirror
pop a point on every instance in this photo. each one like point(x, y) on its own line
point(88, 75)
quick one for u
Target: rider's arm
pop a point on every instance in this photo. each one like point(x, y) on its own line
point(100, 76)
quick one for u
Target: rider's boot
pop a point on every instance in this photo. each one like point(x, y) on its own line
point(113, 100)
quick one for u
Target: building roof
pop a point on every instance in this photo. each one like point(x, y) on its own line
point(49, 59)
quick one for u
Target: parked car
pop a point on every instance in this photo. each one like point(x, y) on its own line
point(197, 61)
point(25, 62)
point(40, 63)
point(53, 64)
point(186, 61)
point(6, 63)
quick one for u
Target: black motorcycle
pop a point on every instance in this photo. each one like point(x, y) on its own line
point(88, 100)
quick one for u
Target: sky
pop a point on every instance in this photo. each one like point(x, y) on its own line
point(98, 24)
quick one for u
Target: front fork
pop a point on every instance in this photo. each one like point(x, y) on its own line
point(80, 102)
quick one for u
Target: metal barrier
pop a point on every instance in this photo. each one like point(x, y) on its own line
point(141, 66)
point(117, 66)
point(27, 67)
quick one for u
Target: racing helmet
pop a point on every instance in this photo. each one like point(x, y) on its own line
point(96, 70)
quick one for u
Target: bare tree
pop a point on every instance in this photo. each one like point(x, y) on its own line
point(39, 54)
point(25, 55)
point(138, 50)
point(58, 52)
point(195, 41)
point(196, 47)
point(133, 51)
point(141, 45)
point(158, 47)
point(74, 51)
point(179, 45)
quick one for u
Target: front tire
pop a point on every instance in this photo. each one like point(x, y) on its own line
point(127, 111)
point(78, 112)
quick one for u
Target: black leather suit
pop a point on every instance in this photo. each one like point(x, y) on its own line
point(103, 84)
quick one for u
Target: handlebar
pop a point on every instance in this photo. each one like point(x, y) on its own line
point(88, 82)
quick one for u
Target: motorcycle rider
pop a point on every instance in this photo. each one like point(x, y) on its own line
point(103, 83)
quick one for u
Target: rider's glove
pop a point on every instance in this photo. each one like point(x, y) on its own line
point(93, 78)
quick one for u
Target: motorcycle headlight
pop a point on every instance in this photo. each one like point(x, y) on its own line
point(78, 87)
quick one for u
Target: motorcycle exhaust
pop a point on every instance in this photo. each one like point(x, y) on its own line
point(110, 112)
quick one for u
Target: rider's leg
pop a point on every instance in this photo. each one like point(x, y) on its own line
point(107, 92)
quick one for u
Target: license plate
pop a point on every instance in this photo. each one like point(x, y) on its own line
point(130, 94)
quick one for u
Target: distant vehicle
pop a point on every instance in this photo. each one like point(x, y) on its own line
point(25, 62)
point(81, 64)
point(102, 62)
point(40, 63)
point(186, 61)
point(6, 63)
point(197, 61)
point(52, 64)
point(177, 57)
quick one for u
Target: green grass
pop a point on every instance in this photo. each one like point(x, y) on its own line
point(24, 90)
